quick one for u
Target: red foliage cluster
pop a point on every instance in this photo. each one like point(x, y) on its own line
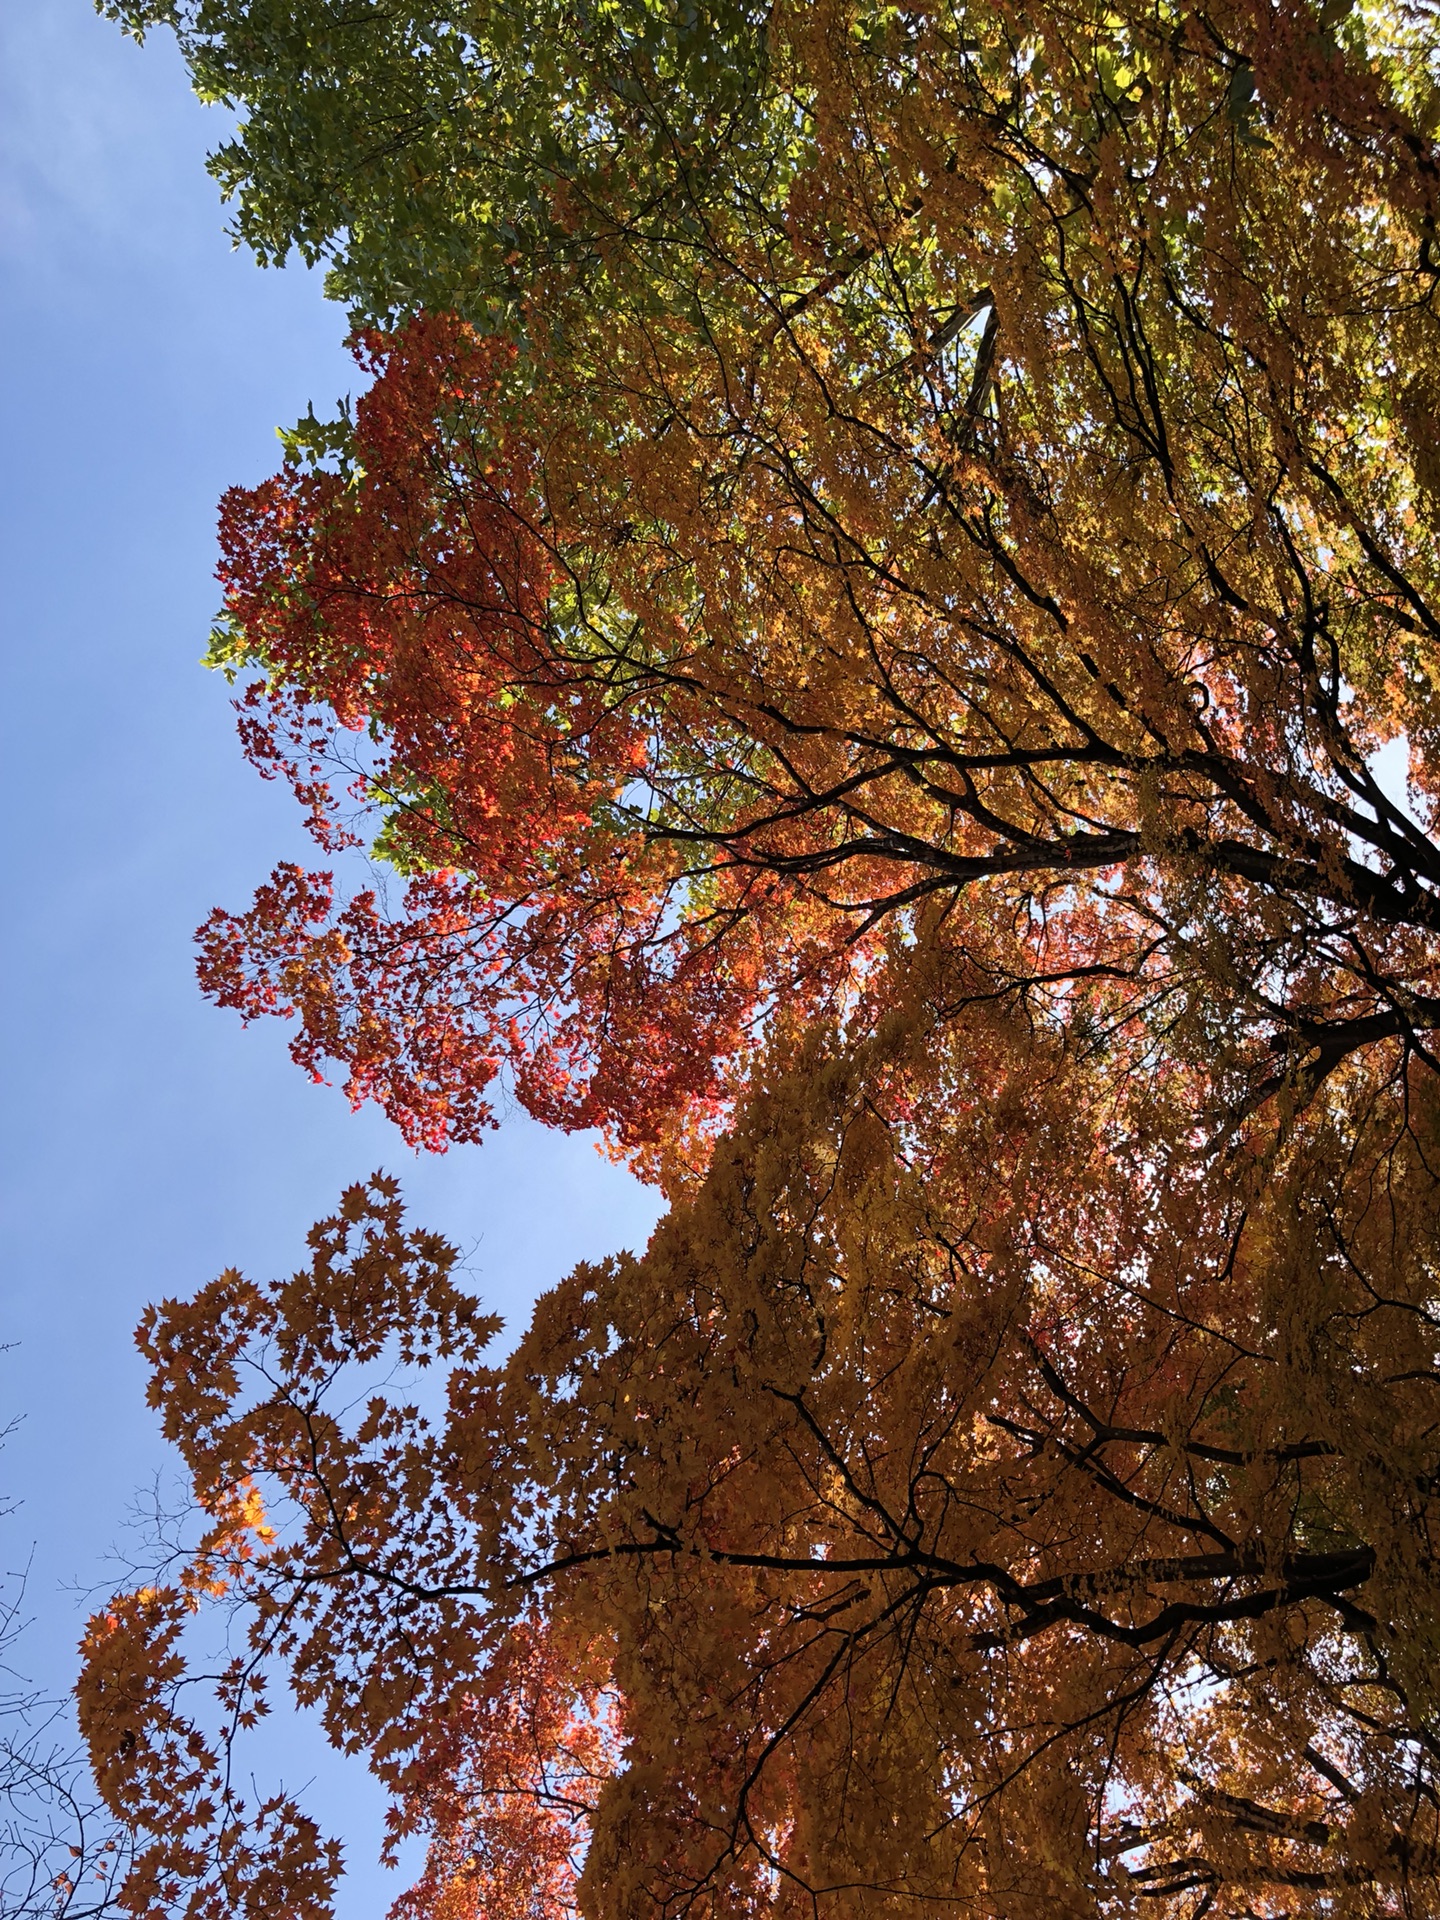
point(504, 1785)
point(402, 599)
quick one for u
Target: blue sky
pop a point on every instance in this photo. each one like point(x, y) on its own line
point(150, 1141)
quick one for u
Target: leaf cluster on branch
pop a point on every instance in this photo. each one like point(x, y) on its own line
point(859, 609)
point(935, 1514)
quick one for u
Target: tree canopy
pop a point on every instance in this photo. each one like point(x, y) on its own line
point(1016, 491)
point(858, 609)
point(947, 1515)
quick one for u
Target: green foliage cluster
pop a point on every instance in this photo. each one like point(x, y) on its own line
point(420, 148)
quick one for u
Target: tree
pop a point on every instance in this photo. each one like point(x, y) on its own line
point(941, 1512)
point(864, 594)
point(62, 1857)
point(969, 521)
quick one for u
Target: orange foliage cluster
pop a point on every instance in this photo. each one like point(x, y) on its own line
point(689, 668)
point(954, 1515)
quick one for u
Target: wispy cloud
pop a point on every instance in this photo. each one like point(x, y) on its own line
point(90, 126)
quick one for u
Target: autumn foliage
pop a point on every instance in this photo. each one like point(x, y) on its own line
point(409, 595)
point(931, 1515)
point(860, 670)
